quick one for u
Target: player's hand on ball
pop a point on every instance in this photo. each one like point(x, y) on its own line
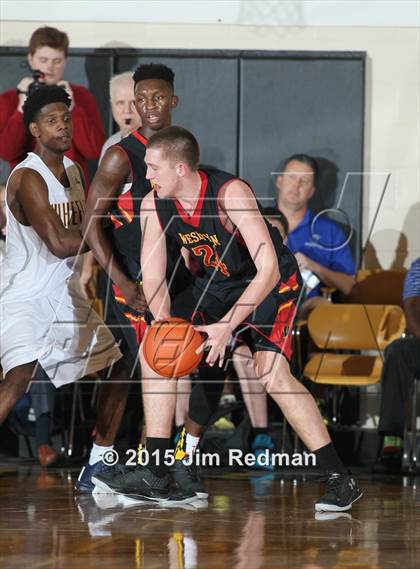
point(218, 336)
point(160, 318)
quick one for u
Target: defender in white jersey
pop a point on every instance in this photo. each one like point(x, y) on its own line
point(44, 319)
point(43, 316)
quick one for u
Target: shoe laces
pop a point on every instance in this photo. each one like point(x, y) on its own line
point(334, 480)
point(119, 468)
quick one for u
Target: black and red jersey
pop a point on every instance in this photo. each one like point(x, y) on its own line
point(225, 261)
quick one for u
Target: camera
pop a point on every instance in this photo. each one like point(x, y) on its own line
point(36, 83)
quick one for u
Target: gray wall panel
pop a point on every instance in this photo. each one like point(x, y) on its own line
point(313, 106)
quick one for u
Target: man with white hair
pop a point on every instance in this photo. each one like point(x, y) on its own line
point(121, 91)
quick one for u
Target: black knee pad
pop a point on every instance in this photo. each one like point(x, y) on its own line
point(205, 394)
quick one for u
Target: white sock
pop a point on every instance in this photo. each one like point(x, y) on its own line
point(97, 452)
point(191, 443)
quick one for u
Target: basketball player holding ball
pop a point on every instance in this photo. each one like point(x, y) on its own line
point(246, 288)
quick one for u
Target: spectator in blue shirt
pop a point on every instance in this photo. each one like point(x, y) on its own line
point(319, 246)
point(401, 366)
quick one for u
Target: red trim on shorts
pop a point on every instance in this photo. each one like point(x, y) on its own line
point(281, 332)
point(116, 222)
point(194, 220)
point(118, 294)
point(138, 323)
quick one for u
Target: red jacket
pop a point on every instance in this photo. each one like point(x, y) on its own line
point(88, 132)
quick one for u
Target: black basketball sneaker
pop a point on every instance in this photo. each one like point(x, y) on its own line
point(342, 492)
point(185, 470)
point(187, 478)
point(142, 484)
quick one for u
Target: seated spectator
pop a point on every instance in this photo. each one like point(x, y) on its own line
point(333, 265)
point(47, 58)
point(401, 366)
point(121, 91)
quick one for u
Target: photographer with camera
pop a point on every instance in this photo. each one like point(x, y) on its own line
point(47, 58)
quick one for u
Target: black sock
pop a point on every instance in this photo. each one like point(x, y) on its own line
point(327, 458)
point(156, 448)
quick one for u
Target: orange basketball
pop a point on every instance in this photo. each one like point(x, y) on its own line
point(169, 347)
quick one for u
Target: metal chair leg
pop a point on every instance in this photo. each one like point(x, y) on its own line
point(334, 406)
point(411, 433)
point(414, 433)
point(73, 419)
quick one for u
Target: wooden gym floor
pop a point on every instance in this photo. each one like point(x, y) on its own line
point(251, 521)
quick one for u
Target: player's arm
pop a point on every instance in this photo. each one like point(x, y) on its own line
point(240, 206)
point(153, 260)
point(32, 200)
point(106, 185)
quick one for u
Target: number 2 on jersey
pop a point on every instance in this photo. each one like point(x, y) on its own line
point(210, 258)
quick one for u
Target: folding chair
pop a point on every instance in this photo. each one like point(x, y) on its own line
point(344, 333)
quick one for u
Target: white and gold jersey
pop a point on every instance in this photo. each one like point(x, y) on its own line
point(29, 269)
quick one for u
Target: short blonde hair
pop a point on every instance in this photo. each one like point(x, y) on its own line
point(117, 79)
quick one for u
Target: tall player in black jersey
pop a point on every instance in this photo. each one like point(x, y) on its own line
point(118, 188)
point(244, 282)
